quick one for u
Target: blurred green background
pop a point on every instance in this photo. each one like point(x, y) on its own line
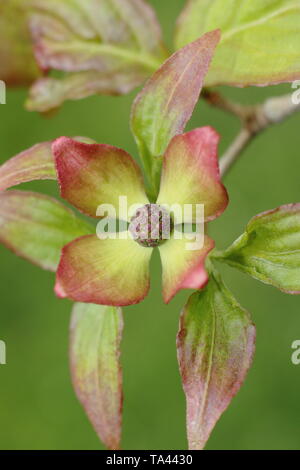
point(38, 409)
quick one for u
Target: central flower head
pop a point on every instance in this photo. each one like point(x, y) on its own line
point(115, 271)
point(151, 225)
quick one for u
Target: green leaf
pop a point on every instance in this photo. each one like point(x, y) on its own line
point(259, 44)
point(96, 332)
point(37, 227)
point(17, 64)
point(215, 344)
point(100, 46)
point(165, 105)
point(269, 250)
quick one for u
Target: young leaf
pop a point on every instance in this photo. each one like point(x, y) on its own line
point(215, 344)
point(108, 46)
point(17, 64)
point(96, 332)
point(269, 250)
point(49, 93)
point(37, 227)
point(165, 105)
point(259, 44)
point(36, 163)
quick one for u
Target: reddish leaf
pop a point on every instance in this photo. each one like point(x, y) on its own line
point(17, 64)
point(35, 163)
point(96, 332)
point(215, 347)
point(165, 105)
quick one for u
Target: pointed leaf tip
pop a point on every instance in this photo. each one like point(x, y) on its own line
point(215, 345)
point(165, 105)
point(269, 249)
point(35, 163)
point(96, 333)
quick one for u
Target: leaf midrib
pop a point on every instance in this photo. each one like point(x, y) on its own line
point(253, 24)
point(210, 364)
point(107, 49)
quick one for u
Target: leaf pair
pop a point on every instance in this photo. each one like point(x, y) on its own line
point(112, 46)
point(216, 337)
point(215, 348)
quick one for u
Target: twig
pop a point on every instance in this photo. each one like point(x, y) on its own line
point(255, 119)
point(215, 99)
point(235, 150)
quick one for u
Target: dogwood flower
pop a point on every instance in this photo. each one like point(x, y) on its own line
point(116, 271)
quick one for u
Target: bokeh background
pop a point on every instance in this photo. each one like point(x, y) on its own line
point(38, 409)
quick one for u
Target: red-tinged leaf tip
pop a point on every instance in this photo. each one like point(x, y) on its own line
point(106, 272)
point(165, 105)
point(96, 333)
point(90, 175)
point(191, 175)
point(183, 267)
point(36, 163)
point(215, 344)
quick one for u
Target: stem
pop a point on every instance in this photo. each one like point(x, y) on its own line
point(235, 150)
point(215, 99)
point(255, 119)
